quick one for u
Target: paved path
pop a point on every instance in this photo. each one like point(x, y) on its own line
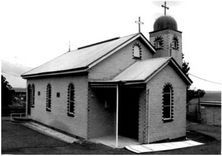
point(213, 131)
point(50, 132)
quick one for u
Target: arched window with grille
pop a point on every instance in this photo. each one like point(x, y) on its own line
point(158, 43)
point(167, 111)
point(48, 97)
point(33, 96)
point(71, 100)
point(29, 99)
point(175, 43)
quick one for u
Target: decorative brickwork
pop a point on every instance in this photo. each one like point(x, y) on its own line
point(167, 101)
point(71, 100)
point(137, 51)
point(175, 43)
point(142, 118)
point(33, 96)
point(48, 97)
point(29, 98)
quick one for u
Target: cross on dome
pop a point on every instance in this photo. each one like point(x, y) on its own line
point(165, 8)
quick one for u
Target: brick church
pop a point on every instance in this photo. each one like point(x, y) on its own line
point(126, 86)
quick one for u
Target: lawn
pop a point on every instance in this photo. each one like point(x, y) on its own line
point(18, 139)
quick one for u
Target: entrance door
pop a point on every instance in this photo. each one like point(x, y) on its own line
point(129, 113)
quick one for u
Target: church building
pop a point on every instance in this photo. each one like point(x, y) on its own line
point(126, 86)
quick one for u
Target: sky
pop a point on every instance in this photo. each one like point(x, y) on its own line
point(33, 32)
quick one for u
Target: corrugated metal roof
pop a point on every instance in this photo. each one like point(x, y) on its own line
point(79, 58)
point(140, 70)
point(209, 98)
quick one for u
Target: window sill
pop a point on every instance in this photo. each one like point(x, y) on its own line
point(167, 120)
point(48, 110)
point(71, 115)
point(137, 57)
point(159, 48)
point(175, 48)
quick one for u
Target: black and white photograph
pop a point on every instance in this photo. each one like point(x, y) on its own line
point(111, 77)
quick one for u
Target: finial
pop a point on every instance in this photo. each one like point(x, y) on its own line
point(165, 8)
point(139, 23)
point(69, 47)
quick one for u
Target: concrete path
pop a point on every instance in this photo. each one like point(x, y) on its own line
point(50, 132)
point(111, 141)
point(213, 131)
point(162, 146)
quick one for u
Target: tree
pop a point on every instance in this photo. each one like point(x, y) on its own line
point(7, 96)
point(191, 94)
point(185, 67)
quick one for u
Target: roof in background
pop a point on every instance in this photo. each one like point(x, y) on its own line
point(211, 96)
point(136, 71)
point(82, 57)
point(20, 90)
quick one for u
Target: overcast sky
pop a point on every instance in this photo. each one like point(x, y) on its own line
point(35, 31)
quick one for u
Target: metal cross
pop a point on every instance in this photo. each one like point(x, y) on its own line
point(165, 7)
point(139, 23)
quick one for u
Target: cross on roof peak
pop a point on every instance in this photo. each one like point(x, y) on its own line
point(165, 7)
point(139, 23)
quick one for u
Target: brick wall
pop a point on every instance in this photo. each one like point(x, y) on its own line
point(157, 129)
point(117, 62)
point(58, 117)
point(101, 121)
point(167, 36)
point(143, 118)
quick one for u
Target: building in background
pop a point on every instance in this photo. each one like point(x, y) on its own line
point(206, 109)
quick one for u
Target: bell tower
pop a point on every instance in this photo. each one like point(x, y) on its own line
point(165, 37)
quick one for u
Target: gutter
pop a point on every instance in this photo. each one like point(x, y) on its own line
point(55, 73)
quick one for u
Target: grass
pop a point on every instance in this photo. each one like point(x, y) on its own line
point(18, 139)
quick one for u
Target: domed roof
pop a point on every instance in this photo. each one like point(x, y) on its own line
point(165, 22)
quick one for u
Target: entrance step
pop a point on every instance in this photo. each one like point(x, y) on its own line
point(162, 146)
point(111, 141)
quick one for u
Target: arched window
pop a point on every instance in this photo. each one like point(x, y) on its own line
point(71, 100)
point(175, 43)
point(48, 97)
point(33, 95)
point(29, 99)
point(167, 103)
point(158, 43)
point(137, 51)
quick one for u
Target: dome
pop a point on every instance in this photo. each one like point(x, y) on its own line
point(165, 22)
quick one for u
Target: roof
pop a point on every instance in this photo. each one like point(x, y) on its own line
point(20, 90)
point(211, 103)
point(84, 57)
point(165, 22)
point(136, 71)
point(210, 98)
